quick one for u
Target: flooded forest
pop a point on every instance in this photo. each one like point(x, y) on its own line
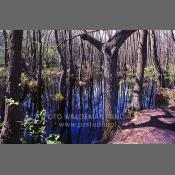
point(87, 86)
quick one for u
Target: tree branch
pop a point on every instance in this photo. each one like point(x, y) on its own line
point(172, 35)
point(96, 43)
point(119, 38)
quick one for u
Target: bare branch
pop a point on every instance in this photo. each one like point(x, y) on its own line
point(119, 38)
point(172, 34)
point(96, 43)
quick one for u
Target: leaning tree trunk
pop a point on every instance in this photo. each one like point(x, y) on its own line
point(156, 62)
point(11, 127)
point(141, 63)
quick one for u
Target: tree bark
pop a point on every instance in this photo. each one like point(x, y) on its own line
point(11, 127)
point(110, 84)
point(155, 58)
point(110, 51)
point(6, 56)
point(33, 50)
point(141, 63)
point(62, 84)
point(71, 62)
point(39, 78)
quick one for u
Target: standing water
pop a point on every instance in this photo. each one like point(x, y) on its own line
point(80, 119)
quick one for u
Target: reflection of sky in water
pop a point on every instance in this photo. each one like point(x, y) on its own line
point(88, 101)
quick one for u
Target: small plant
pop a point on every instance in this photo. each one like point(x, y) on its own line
point(24, 79)
point(53, 139)
point(2, 72)
point(58, 96)
point(150, 74)
point(52, 72)
point(1, 125)
point(170, 75)
point(11, 102)
point(34, 130)
point(129, 78)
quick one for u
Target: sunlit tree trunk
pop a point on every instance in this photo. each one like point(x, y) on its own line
point(110, 83)
point(156, 62)
point(62, 84)
point(141, 63)
point(110, 51)
point(11, 127)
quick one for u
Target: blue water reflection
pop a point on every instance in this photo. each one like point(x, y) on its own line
point(83, 111)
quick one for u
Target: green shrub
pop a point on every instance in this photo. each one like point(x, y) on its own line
point(53, 71)
point(35, 128)
point(150, 74)
point(2, 72)
point(170, 75)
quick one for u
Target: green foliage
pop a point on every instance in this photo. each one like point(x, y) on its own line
point(50, 55)
point(170, 75)
point(150, 74)
point(58, 96)
point(11, 102)
point(51, 52)
point(1, 125)
point(2, 72)
point(24, 79)
point(2, 77)
point(1, 56)
point(36, 129)
point(129, 78)
point(52, 71)
point(53, 139)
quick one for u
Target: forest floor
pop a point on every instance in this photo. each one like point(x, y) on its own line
point(152, 126)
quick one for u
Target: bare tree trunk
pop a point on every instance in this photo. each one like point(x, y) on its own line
point(155, 58)
point(6, 56)
point(39, 78)
point(34, 61)
point(62, 84)
point(110, 50)
point(72, 69)
point(11, 127)
point(82, 56)
point(110, 84)
point(141, 63)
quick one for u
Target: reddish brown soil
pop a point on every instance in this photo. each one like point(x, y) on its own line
point(155, 126)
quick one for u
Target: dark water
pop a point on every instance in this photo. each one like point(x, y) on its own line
point(82, 119)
